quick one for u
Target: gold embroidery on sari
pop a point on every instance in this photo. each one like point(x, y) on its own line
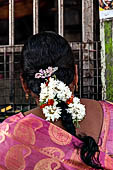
point(14, 159)
point(59, 136)
point(3, 130)
point(47, 164)
point(75, 161)
point(53, 152)
point(13, 119)
point(24, 130)
point(3, 168)
point(105, 129)
point(108, 162)
point(2, 137)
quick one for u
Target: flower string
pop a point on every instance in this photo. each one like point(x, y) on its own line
point(54, 91)
point(49, 103)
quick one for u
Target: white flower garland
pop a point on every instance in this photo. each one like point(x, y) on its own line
point(52, 92)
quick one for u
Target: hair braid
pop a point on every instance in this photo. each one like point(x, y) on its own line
point(89, 147)
point(88, 150)
point(66, 118)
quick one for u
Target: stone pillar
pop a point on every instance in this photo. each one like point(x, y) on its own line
point(88, 39)
point(87, 20)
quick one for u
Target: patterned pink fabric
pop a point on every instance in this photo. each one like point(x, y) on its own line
point(107, 133)
point(31, 143)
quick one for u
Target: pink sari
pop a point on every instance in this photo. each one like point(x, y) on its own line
point(31, 143)
point(107, 134)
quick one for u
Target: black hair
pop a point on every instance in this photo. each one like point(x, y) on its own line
point(50, 49)
point(43, 50)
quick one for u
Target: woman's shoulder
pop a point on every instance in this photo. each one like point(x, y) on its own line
point(93, 118)
point(93, 108)
point(85, 100)
point(36, 111)
point(96, 105)
point(91, 103)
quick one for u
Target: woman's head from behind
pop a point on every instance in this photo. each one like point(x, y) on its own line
point(45, 50)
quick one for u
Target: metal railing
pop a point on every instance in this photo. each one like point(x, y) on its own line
point(87, 55)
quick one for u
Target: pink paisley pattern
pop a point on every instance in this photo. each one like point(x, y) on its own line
point(59, 136)
point(17, 153)
point(46, 164)
point(31, 143)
